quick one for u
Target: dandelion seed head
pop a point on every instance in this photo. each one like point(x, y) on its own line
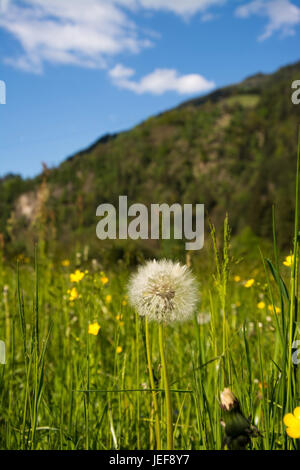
point(163, 291)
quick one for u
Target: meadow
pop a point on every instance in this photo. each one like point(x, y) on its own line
point(77, 353)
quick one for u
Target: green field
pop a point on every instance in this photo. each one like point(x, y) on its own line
point(69, 385)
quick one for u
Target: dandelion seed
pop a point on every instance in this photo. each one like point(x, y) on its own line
point(289, 261)
point(94, 328)
point(292, 421)
point(249, 283)
point(77, 276)
point(163, 291)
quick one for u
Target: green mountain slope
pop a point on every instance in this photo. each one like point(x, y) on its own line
point(233, 150)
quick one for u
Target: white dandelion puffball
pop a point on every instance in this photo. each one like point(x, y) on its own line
point(163, 291)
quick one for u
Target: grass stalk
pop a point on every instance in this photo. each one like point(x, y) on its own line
point(167, 389)
point(152, 385)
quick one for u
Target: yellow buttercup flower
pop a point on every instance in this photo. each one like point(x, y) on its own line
point(73, 293)
point(271, 309)
point(237, 278)
point(292, 421)
point(261, 305)
point(94, 328)
point(77, 276)
point(119, 318)
point(65, 263)
point(104, 280)
point(124, 302)
point(249, 283)
point(119, 349)
point(289, 260)
point(108, 298)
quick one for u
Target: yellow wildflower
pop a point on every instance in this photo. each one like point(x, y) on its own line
point(104, 280)
point(108, 298)
point(77, 276)
point(260, 386)
point(73, 293)
point(289, 260)
point(271, 309)
point(261, 305)
point(94, 328)
point(124, 302)
point(237, 278)
point(292, 421)
point(119, 349)
point(249, 283)
point(119, 318)
point(65, 263)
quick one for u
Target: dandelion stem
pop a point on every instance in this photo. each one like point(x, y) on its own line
point(152, 384)
point(293, 283)
point(167, 389)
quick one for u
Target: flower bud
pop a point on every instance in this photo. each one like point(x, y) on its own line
point(238, 429)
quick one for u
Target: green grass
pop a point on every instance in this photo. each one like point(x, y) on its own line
point(63, 388)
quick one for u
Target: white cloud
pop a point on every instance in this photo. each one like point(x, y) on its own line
point(180, 7)
point(160, 81)
point(282, 15)
point(69, 32)
point(81, 32)
point(88, 33)
point(4, 5)
point(119, 72)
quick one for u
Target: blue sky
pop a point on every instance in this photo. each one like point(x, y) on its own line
point(77, 69)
